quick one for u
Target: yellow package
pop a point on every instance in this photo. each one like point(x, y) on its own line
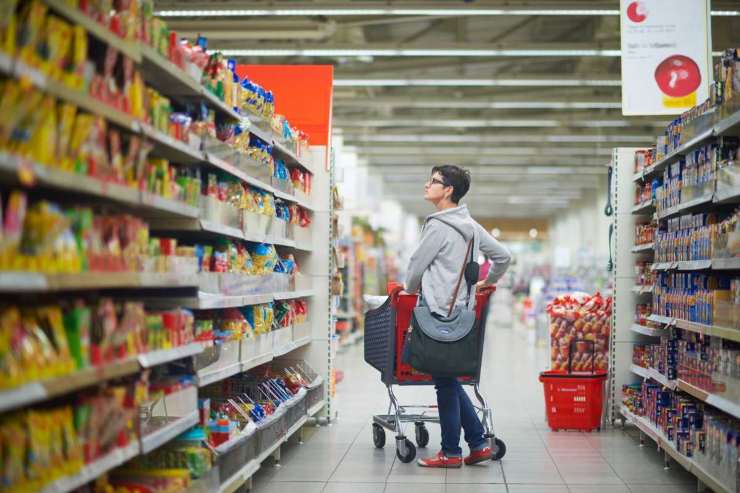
point(10, 92)
point(8, 26)
point(51, 320)
point(33, 20)
point(39, 458)
point(59, 37)
point(24, 120)
point(78, 153)
point(46, 357)
point(66, 114)
point(14, 440)
point(43, 144)
point(10, 369)
point(75, 78)
point(73, 453)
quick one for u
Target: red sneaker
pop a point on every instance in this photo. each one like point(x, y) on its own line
point(477, 456)
point(441, 461)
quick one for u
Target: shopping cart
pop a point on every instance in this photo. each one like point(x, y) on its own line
point(385, 335)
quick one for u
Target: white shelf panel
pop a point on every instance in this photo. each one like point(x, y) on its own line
point(653, 374)
point(648, 331)
point(687, 463)
point(290, 295)
point(163, 356)
point(637, 289)
point(207, 378)
point(648, 247)
point(644, 208)
point(31, 281)
point(721, 403)
point(283, 350)
point(164, 434)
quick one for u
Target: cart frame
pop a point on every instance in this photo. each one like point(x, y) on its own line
point(385, 333)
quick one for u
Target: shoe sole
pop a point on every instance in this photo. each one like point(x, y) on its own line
point(478, 461)
point(446, 466)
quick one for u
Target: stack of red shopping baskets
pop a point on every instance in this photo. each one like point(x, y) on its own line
point(574, 391)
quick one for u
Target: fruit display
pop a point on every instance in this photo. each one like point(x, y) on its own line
point(579, 332)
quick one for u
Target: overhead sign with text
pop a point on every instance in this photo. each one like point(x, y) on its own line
point(666, 55)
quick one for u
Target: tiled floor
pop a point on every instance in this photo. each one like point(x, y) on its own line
point(341, 457)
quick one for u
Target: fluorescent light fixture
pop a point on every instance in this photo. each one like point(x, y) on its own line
point(467, 104)
point(492, 123)
point(398, 11)
point(409, 52)
point(495, 139)
point(427, 150)
point(478, 82)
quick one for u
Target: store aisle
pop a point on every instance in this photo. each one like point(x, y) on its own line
point(342, 458)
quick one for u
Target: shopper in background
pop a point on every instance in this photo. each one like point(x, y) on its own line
point(433, 269)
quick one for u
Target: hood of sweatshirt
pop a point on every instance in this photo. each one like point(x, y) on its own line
point(457, 218)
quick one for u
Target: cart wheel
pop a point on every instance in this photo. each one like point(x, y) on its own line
point(422, 436)
point(378, 436)
point(498, 449)
point(410, 452)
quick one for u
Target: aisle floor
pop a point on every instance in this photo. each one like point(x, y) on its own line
point(341, 457)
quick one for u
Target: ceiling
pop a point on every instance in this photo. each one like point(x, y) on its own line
point(525, 93)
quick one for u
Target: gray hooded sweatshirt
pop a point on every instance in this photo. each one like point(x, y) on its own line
point(436, 264)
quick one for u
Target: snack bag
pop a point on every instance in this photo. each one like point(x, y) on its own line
point(583, 323)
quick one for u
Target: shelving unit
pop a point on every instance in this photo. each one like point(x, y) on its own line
point(626, 332)
point(667, 446)
point(311, 343)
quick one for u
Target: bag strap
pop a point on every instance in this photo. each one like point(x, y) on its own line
point(468, 253)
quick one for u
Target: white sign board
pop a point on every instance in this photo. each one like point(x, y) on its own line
point(666, 55)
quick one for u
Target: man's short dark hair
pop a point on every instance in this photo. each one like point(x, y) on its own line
point(456, 177)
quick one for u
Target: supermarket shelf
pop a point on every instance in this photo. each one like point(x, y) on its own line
point(234, 441)
point(172, 429)
point(171, 148)
point(256, 361)
point(316, 408)
point(726, 263)
point(709, 330)
point(643, 248)
point(229, 168)
point(660, 319)
point(729, 196)
point(240, 477)
point(98, 30)
point(644, 208)
point(346, 315)
point(686, 206)
point(687, 463)
point(47, 389)
point(648, 331)
point(269, 136)
point(290, 295)
point(168, 205)
point(31, 281)
point(207, 378)
point(163, 356)
point(722, 127)
point(281, 351)
point(206, 226)
point(165, 76)
point(653, 374)
point(637, 289)
point(207, 301)
point(93, 470)
point(731, 408)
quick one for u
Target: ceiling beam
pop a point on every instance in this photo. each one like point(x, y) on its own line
point(495, 123)
point(563, 103)
point(505, 136)
point(529, 50)
point(173, 8)
point(534, 150)
point(426, 160)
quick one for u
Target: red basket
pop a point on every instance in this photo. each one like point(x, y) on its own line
point(573, 401)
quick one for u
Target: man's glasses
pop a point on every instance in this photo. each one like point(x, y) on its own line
point(432, 181)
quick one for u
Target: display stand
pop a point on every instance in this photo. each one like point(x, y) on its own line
point(310, 341)
point(626, 332)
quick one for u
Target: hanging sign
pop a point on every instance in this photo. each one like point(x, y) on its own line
point(666, 55)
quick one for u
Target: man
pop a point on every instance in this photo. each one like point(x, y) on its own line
point(434, 268)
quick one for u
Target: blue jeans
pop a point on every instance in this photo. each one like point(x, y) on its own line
point(456, 411)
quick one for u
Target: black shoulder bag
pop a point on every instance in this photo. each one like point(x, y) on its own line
point(447, 346)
